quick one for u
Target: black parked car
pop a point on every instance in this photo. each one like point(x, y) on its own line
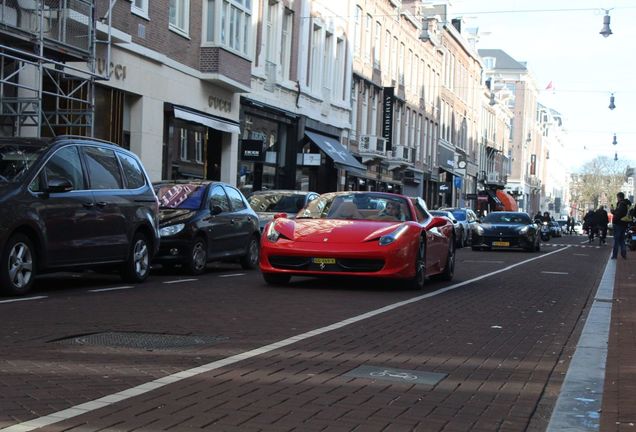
point(71, 203)
point(203, 221)
point(503, 229)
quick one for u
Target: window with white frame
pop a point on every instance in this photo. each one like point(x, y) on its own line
point(364, 115)
point(183, 144)
point(178, 16)
point(339, 70)
point(377, 44)
point(357, 19)
point(286, 39)
point(367, 37)
point(227, 23)
point(315, 62)
point(271, 28)
point(327, 65)
point(401, 63)
point(386, 57)
point(374, 113)
point(418, 139)
point(198, 146)
point(139, 7)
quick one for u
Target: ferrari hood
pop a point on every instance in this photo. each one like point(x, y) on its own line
point(333, 231)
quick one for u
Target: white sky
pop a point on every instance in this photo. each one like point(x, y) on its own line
point(562, 44)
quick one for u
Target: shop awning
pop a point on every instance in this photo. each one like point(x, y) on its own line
point(493, 197)
point(508, 201)
point(335, 151)
point(206, 120)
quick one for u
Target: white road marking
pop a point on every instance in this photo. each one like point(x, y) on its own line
point(232, 275)
point(179, 281)
point(555, 272)
point(23, 299)
point(111, 289)
point(170, 379)
point(581, 255)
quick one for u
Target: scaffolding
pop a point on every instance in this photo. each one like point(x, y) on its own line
point(48, 66)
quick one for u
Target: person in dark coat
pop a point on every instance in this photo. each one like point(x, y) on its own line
point(619, 225)
point(603, 221)
point(591, 224)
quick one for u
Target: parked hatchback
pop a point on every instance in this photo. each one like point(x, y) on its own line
point(73, 203)
point(203, 221)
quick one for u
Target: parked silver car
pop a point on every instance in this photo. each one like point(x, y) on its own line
point(269, 202)
point(467, 219)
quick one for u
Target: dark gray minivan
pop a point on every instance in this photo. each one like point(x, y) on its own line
point(71, 203)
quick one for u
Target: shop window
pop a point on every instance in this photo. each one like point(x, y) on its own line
point(183, 144)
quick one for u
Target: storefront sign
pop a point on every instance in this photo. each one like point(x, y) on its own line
point(116, 70)
point(387, 116)
point(446, 158)
point(252, 150)
point(308, 159)
point(219, 103)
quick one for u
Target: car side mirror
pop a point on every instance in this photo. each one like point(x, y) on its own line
point(438, 221)
point(58, 185)
point(215, 210)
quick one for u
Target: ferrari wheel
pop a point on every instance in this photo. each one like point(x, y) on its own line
point(419, 278)
point(276, 279)
point(449, 270)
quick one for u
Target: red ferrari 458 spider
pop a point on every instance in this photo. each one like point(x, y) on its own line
point(361, 234)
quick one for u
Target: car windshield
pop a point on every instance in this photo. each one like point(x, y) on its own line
point(15, 160)
point(459, 215)
point(358, 206)
point(277, 202)
point(507, 218)
point(186, 196)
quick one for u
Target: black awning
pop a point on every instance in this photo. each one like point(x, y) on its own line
point(335, 151)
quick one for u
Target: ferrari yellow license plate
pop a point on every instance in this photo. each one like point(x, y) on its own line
point(324, 260)
point(500, 243)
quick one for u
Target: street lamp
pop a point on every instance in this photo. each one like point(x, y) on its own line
point(606, 31)
point(611, 105)
point(614, 140)
point(615, 156)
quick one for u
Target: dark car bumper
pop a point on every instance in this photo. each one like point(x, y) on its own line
point(492, 242)
point(175, 251)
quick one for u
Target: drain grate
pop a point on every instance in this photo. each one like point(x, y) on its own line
point(147, 341)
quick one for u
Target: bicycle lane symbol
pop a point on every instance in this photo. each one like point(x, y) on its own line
point(391, 374)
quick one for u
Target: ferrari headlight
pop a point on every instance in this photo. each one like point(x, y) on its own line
point(391, 237)
point(171, 230)
point(272, 234)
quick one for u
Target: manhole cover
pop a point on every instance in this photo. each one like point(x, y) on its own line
point(398, 375)
point(141, 340)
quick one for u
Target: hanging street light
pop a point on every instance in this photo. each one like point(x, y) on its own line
point(614, 140)
point(615, 156)
point(612, 105)
point(606, 31)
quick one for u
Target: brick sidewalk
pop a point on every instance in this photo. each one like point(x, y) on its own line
point(619, 394)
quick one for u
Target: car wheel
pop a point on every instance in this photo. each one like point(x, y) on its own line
point(137, 266)
point(198, 259)
point(276, 278)
point(250, 259)
point(417, 282)
point(449, 269)
point(18, 265)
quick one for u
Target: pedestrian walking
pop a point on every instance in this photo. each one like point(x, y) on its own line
point(570, 225)
point(619, 224)
point(590, 224)
point(603, 221)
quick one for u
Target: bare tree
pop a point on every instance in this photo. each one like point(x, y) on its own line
point(598, 182)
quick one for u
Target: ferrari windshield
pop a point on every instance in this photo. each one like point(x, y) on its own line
point(277, 202)
point(358, 206)
point(15, 160)
point(507, 218)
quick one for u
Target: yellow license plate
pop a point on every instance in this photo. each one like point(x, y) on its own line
point(501, 243)
point(324, 260)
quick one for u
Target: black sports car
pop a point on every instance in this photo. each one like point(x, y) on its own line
point(506, 230)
